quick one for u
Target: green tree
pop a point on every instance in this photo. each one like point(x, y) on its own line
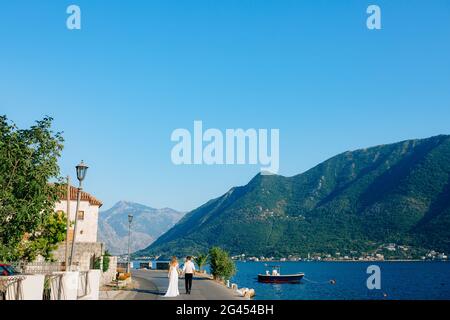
point(97, 263)
point(105, 266)
point(201, 260)
point(28, 162)
point(102, 263)
point(222, 266)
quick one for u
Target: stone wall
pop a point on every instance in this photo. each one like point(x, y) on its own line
point(110, 275)
point(84, 256)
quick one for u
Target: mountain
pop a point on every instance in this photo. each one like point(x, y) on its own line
point(355, 201)
point(148, 224)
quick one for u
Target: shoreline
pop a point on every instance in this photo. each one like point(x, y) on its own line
point(347, 261)
point(321, 261)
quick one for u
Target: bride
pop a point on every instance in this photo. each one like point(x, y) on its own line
point(172, 291)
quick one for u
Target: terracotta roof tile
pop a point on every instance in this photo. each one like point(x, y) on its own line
point(84, 196)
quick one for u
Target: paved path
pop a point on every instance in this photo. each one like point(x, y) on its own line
point(152, 285)
point(142, 289)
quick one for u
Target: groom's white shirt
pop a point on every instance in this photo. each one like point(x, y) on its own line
point(189, 267)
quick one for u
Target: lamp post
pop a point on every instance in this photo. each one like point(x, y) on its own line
point(130, 220)
point(81, 174)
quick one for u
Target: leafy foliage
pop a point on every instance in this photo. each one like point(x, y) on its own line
point(28, 161)
point(222, 266)
point(201, 260)
point(102, 263)
point(353, 202)
point(106, 260)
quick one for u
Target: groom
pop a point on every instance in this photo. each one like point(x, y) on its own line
point(189, 271)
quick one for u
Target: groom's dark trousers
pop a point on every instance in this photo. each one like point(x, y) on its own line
point(188, 281)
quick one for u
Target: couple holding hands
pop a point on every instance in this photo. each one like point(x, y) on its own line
point(188, 270)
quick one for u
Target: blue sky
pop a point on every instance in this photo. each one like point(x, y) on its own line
point(138, 70)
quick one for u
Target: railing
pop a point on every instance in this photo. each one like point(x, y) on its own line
point(53, 284)
point(7, 283)
point(39, 267)
point(83, 284)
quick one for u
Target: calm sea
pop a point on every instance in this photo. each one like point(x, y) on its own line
point(399, 281)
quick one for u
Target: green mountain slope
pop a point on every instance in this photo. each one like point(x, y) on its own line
point(354, 201)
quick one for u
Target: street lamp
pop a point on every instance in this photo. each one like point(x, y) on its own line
point(81, 174)
point(130, 220)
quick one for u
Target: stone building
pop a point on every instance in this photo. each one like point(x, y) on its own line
point(86, 249)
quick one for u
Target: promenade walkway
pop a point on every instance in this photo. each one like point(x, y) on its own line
point(152, 285)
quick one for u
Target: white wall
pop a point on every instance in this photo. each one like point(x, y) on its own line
point(29, 287)
point(64, 286)
point(67, 282)
point(87, 228)
point(93, 285)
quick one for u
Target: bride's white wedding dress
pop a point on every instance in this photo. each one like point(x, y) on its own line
point(172, 291)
